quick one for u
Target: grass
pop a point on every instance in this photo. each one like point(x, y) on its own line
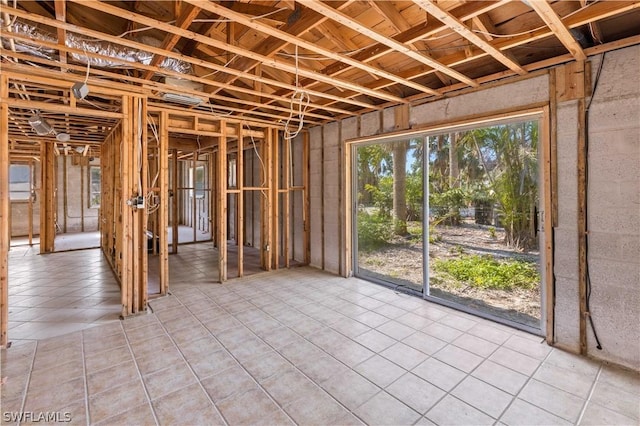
point(489, 273)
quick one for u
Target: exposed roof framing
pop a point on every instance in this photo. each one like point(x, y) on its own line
point(247, 58)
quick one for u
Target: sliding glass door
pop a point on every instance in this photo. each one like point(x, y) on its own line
point(477, 249)
point(389, 222)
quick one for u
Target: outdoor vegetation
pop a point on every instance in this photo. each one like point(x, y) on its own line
point(483, 193)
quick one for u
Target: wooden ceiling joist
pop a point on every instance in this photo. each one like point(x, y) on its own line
point(238, 17)
point(270, 62)
point(551, 18)
point(456, 25)
point(343, 19)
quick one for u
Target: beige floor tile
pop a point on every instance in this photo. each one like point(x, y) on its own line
point(475, 345)
point(535, 349)
point(442, 332)
point(501, 377)
point(195, 408)
point(383, 409)
point(321, 367)
point(140, 415)
point(248, 408)
point(569, 361)
point(165, 381)
point(267, 365)
point(44, 399)
point(54, 376)
point(371, 319)
point(375, 341)
point(415, 392)
point(228, 383)
point(396, 330)
point(315, 408)
point(116, 400)
point(617, 399)
point(482, 396)
point(438, 373)
point(380, 371)
point(567, 380)
point(514, 360)
point(458, 358)
point(628, 381)
point(111, 377)
point(403, 355)
point(279, 337)
point(288, 386)
point(521, 413)
point(158, 360)
point(452, 411)
point(556, 401)
point(596, 415)
point(350, 388)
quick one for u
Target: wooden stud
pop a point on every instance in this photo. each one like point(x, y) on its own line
point(286, 202)
point(163, 212)
point(5, 205)
point(547, 223)
point(47, 199)
point(306, 210)
point(240, 200)
point(275, 201)
point(553, 139)
point(221, 236)
point(582, 217)
point(174, 204)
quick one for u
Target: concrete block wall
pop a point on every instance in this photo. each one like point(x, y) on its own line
point(614, 194)
point(614, 208)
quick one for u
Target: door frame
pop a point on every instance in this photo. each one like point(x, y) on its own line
point(547, 285)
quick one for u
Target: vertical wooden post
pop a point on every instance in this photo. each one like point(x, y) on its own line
point(221, 236)
point(174, 204)
point(4, 211)
point(126, 164)
point(240, 200)
point(286, 202)
point(30, 202)
point(47, 198)
point(582, 206)
point(267, 199)
point(347, 211)
point(194, 205)
point(306, 209)
point(547, 222)
point(275, 203)
point(163, 212)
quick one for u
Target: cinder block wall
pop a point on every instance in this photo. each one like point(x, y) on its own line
point(614, 195)
point(614, 207)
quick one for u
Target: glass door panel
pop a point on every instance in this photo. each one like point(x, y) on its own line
point(389, 196)
point(483, 229)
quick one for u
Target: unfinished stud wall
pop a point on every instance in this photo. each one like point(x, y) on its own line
point(614, 194)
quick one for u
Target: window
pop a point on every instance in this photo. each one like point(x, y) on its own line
point(20, 182)
point(95, 175)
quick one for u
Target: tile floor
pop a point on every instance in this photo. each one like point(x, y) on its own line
point(303, 347)
point(58, 293)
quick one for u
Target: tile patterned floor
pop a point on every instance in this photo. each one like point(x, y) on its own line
point(303, 347)
point(58, 293)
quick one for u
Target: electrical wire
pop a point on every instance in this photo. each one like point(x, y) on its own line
point(586, 172)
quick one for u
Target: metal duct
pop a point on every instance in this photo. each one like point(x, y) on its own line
point(120, 56)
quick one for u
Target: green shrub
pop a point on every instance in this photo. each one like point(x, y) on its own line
point(492, 232)
point(487, 272)
point(374, 230)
